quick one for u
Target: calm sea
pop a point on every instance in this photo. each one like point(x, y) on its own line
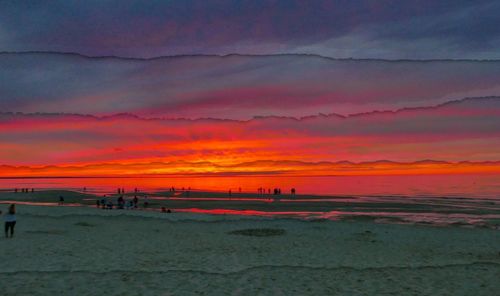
point(466, 186)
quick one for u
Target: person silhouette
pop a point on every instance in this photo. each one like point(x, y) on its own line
point(10, 221)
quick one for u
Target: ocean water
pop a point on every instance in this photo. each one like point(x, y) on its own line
point(470, 200)
point(485, 186)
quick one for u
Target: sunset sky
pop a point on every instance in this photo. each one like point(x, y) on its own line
point(254, 87)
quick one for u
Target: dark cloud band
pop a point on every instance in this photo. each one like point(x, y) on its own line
point(358, 29)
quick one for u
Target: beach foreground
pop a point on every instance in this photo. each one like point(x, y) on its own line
point(88, 251)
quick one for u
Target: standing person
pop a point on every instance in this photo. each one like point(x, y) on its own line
point(61, 200)
point(136, 201)
point(121, 202)
point(10, 221)
point(103, 202)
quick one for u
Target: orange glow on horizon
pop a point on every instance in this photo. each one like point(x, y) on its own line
point(283, 168)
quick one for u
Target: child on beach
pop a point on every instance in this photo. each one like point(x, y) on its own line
point(10, 221)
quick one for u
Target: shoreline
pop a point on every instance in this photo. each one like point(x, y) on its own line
point(475, 213)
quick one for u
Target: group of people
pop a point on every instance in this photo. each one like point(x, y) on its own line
point(24, 190)
point(172, 189)
point(122, 190)
point(10, 220)
point(106, 203)
point(121, 203)
point(275, 191)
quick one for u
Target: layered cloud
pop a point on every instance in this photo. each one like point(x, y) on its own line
point(257, 168)
point(234, 87)
point(229, 87)
point(358, 29)
point(453, 132)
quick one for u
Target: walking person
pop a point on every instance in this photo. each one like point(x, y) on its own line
point(10, 221)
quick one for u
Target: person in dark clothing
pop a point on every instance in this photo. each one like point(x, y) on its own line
point(121, 202)
point(10, 221)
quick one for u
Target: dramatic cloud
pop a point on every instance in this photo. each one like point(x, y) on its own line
point(236, 87)
point(457, 131)
point(359, 29)
point(253, 86)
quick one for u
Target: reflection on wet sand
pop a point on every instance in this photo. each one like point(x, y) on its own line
point(389, 209)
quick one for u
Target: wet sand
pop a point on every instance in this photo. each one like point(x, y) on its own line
point(437, 211)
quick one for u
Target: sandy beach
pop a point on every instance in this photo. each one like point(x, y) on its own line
point(77, 250)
